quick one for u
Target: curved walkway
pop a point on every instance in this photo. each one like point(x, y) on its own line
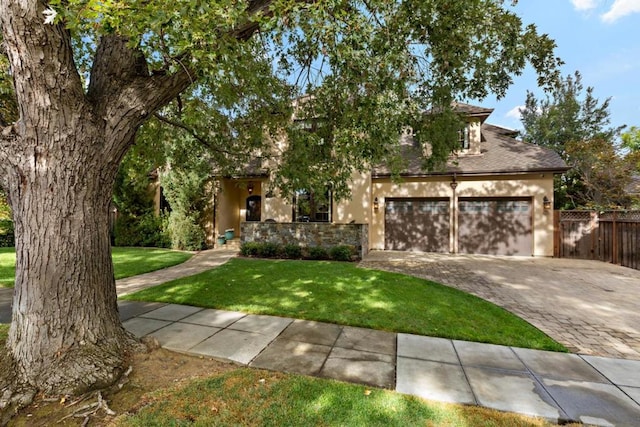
point(200, 262)
point(591, 307)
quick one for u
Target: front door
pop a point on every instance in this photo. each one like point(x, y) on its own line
point(254, 206)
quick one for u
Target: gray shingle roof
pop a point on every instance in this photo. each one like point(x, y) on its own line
point(500, 154)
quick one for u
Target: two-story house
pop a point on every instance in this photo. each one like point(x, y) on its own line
point(494, 197)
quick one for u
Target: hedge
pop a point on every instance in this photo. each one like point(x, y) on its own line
point(292, 251)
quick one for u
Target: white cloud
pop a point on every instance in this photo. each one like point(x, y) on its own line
point(619, 9)
point(515, 112)
point(584, 4)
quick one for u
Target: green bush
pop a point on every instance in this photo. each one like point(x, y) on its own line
point(268, 250)
point(148, 230)
point(317, 253)
point(291, 251)
point(341, 253)
point(186, 233)
point(249, 249)
point(7, 237)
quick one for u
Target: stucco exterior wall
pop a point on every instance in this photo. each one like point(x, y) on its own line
point(227, 206)
point(358, 209)
point(276, 209)
point(535, 186)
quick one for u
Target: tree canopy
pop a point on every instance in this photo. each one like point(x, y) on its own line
point(365, 68)
point(575, 124)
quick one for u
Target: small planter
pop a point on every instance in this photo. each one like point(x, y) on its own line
point(228, 234)
point(221, 240)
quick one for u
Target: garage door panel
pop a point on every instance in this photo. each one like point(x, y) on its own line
point(417, 225)
point(495, 226)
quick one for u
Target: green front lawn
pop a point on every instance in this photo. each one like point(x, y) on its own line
point(126, 262)
point(258, 398)
point(344, 294)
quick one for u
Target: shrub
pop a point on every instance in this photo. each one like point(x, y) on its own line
point(185, 233)
point(291, 251)
point(268, 250)
point(148, 230)
point(249, 249)
point(341, 253)
point(7, 237)
point(318, 253)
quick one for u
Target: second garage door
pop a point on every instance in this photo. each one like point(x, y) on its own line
point(495, 226)
point(417, 225)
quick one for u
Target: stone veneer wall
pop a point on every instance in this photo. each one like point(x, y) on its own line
point(307, 234)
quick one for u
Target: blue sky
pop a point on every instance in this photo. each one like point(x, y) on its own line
point(599, 38)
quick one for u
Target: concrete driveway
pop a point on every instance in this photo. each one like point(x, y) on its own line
point(591, 307)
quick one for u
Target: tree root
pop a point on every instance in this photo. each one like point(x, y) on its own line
point(87, 411)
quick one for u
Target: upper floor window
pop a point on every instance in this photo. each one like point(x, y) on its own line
point(463, 137)
point(312, 207)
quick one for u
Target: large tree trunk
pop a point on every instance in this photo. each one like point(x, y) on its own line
point(58, 163)
point(65, 336)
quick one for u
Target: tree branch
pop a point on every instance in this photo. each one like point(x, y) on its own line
point(192, 132)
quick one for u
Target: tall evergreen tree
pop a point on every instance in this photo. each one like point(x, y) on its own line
point(566, 121)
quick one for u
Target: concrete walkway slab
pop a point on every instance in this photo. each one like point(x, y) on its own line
point(367, 340)
point(433, 380)
point(632, 392)
point(293, 356)
point(375, 369)
point(131, 309)
point(621, 372)
point(426, 348)
point(217, 318)
point(512, 391)
point(559, 366)
point(310, 332)
point(594, 403)
point(488, 356)
point(238, 346)
point(171, 312)
point(139, 326)
point(183, 336)
point(264, 325)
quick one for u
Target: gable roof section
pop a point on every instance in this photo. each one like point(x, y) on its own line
point(472, 110)
point(501, 154)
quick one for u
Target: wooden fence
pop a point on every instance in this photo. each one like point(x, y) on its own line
point(610, 236)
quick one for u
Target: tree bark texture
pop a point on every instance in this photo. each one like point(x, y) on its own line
point(59, 163)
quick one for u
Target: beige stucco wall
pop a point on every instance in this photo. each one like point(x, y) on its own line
point(359, 207)
point(535, 187)
point(227, 207)
point(276, 208)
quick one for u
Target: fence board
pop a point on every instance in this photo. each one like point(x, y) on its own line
point(610, 236)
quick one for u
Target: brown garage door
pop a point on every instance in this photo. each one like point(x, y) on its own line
point(495, 226)
point(416, 225)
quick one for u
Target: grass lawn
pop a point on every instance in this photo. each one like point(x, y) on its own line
point(259, 398)
point(126, 262)
point(345, 294)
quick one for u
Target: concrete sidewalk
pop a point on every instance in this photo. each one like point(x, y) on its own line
point(556, 386)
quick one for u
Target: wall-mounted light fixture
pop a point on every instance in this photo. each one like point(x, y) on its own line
point(376, 204)
point(546, 203)
point(250, 187)
point(454, 183)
